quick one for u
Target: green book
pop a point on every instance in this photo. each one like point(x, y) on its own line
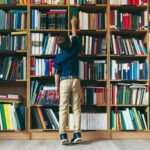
point(17, 120)
point(3, 116)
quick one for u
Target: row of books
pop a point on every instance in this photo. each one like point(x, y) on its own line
point(83, 2)
point(53, 19)
point(10, 98)
point(41, 67)
point(13, 2)
point(12, 42)
point(44, 118)
point(53, 2)
point(91, 45)
point(13, 19)
point(92, 70)
point(126, 46)
point(133, 94)
point(90, 121)
point(128, 119)
point(94, 95)
point(92, 21)
point(134, 70)
point(43, 94)
point(128, 21)
point(44, 44)
point(129, 2)
point(13, 68)
point(12, 117)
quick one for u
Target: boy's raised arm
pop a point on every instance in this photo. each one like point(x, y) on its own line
point(74, 28)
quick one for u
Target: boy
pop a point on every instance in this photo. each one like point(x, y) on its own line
point(67, 70)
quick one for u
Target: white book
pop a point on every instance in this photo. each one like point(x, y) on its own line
point(24, 68)
point(48, 45)
point(1, 124)
point(129, 119)
point(126, 120)
point(114, 44)
point(54, 117)
point(13, 117)
point(37, 67)
point(143, 117)
point(40, 45)
point(40, 67)
point(146, 19)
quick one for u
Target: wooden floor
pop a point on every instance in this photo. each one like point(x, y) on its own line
point(86, 145)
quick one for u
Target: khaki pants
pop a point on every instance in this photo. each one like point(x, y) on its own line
point(70, 88)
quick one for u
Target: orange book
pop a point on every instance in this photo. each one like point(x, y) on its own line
point(41, 117)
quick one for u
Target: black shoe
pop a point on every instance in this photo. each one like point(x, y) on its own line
point(64, 139)
point(76, 138)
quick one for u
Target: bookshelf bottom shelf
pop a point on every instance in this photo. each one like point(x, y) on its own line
point(23, 135)
point(54, 135)
point(130, 134)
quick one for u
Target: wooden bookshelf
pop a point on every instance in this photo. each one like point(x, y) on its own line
point(23, 86)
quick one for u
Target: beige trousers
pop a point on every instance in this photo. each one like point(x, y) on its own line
point(70, 88)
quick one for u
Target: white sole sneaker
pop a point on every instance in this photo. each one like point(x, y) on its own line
point(64, 142)
point(77, 141)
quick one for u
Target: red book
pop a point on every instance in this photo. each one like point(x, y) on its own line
point(56, 12)
point(117, 49)
point(32, 72)
point(112, 17)
point(95, 45)
point(50, 67)
point(113, 94)
point(130, 2)
point(135, 2)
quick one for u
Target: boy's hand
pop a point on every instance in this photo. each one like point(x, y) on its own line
point(57, 90)
point(74, 21)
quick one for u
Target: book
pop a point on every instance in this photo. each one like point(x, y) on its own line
point(53, 2)
point(41, 67)
point(90, 121)
point(13, 68)
point(128, 20)
point(45, 94)
point(129, 94)
point(94, 95)
point(131, 70)
point(92, 70)
point(127, 46)
point(52, 19)
point(129, 119)
point(129, 2)
point(88, 2)
point(44, 118)
point(92, 21)
point(11, 117)
point(19, 18)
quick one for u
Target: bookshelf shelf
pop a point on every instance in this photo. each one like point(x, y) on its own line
point(128, 80)
point(128, 56)
point(48, 30)
point(48, 5)
point(128, 105)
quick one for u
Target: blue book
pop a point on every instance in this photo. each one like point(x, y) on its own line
point(47, 67)
point(33, 19)
point(145, 70)
point(130, 72)
point(45, 44)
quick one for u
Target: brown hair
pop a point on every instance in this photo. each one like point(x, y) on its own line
point(64, 42)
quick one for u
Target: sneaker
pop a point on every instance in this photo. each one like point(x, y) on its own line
point(64, 139)
point(76, 138)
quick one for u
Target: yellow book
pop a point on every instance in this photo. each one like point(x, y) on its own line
point(8, 70)
point(10, 117)
point(120, 122)
point(137, 118)
point(7, 116)
point(19, 33)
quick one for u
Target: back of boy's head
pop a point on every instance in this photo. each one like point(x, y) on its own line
point(64, 42)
